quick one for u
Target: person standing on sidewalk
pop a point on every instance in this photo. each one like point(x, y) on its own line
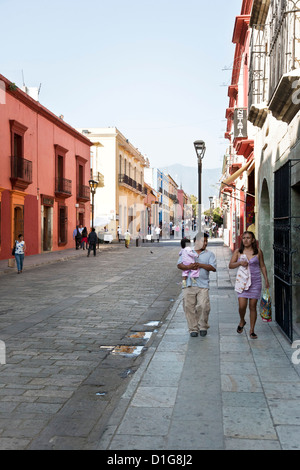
point(127, 237)
point(256, 264)
point(92, 240)
point(84, 239)
point(196, 301)
point(20, 249)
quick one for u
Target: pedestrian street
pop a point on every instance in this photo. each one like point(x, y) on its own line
point(98, 356)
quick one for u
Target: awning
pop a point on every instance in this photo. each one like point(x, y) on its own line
point(235, 175)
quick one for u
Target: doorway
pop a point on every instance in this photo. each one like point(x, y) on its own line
point(265, 234)
point(18, 221)
point(47, 228)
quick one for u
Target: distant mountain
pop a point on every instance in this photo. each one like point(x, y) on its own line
point(187, 178)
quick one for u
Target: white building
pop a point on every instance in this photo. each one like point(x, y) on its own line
point(121, 198)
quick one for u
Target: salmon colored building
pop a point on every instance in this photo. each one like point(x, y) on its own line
point(44, 174)
point(238, 185)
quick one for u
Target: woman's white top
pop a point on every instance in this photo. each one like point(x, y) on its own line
point(20, 247)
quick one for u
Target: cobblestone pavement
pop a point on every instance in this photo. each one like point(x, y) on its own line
point(61, 324)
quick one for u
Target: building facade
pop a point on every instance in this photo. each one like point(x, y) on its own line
point(274, 105)
point(173, 199)
point(44, 190)
point(237, 188)
point(273, 109)
point(119, 201)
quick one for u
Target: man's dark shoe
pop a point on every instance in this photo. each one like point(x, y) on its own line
point(194, 334)
point(203, 333)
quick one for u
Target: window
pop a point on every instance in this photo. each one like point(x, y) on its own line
point(17, 131)
point(62, 225)
point(21, 169)
point(63, 186)
point(83, 191)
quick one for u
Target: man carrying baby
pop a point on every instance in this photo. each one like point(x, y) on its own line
point(196, 302)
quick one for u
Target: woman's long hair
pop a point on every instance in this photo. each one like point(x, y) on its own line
point(254, 243)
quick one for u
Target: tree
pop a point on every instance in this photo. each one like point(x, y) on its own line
point(216, 215)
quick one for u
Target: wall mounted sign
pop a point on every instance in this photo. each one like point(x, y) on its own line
point(240, 123)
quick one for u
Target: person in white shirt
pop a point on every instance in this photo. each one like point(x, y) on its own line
point(127, 238)
point(20, 248)
point(196, 294)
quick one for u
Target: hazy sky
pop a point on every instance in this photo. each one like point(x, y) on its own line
point(151, 68)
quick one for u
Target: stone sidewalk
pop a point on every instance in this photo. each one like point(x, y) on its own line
point(222, 392)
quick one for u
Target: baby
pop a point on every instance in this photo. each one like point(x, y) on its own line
point(188, 257)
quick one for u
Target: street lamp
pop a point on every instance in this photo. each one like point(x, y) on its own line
point(200, 151)
point(93, 186)
point(210, 205)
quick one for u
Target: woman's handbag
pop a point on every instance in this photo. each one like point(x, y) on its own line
point(266, 306)
point(14, 250)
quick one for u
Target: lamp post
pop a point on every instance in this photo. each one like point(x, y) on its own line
point(93, 186)
point(210, 206)
point(200, 151)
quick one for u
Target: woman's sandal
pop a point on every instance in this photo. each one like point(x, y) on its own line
point(253, 335)
point(240, 328)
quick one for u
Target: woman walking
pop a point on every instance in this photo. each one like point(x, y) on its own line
point(251, 257)
point(20, 249)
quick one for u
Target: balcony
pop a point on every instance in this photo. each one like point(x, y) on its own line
point(83, 193)
point(132, 184)
point(259, 13)
point(63, 187)
point(97, 176)
point(284, 103)
point(21, 173)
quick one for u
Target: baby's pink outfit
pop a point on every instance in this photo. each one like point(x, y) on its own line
point(243, 277)
point(189, 257)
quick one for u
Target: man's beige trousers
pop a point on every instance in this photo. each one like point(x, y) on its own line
point(196, 306)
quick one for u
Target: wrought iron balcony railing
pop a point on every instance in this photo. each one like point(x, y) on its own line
point(125, 179)
point(21, 168)
point(21, 172)
point(63, 187)
point(83, 192)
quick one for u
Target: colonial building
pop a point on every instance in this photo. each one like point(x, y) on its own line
point(173, 198)
point(237, 188)
point(44, 190)
point(274, 90)
point(268, 32)
point(120, 200)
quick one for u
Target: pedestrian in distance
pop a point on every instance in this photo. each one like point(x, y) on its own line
point(20, 248)
point(92, 240)
point(196, 302)
point(157, 233)
point(248, 287)
point(77, 236)
point(127, 237)
point(119, 233)
point(84, 238)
